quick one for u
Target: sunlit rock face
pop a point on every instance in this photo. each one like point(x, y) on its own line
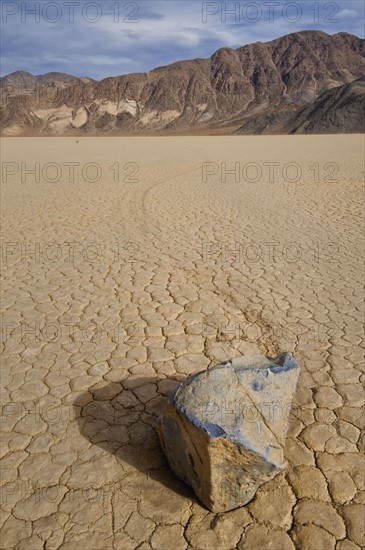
point(224, 429)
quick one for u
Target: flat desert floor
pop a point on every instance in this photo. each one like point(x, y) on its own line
point(130, 263)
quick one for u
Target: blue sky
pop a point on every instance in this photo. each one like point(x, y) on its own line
point(112, 37)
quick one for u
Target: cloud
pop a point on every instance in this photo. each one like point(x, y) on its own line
point(343, 14)
point(108, 37)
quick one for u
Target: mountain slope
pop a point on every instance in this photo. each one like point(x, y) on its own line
point(339, 110)
point(219, 92)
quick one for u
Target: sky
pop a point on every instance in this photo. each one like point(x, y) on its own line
point(110, 37)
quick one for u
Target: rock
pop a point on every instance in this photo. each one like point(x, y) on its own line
point(224, 429)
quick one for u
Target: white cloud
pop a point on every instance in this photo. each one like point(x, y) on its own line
point(347, 13)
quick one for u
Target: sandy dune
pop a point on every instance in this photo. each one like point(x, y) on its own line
point(115, 289)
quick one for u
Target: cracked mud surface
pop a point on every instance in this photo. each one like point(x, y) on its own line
point(94, 340)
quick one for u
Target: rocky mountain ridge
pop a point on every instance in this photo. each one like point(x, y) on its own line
point(220, 92)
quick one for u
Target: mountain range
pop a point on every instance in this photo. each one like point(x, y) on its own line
point(304, 82)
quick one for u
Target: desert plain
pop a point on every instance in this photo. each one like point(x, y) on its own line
point(130, 263)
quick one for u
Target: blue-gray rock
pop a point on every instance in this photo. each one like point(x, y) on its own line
point(224, 429)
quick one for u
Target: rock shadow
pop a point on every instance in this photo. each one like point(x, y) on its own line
point(122, 418)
